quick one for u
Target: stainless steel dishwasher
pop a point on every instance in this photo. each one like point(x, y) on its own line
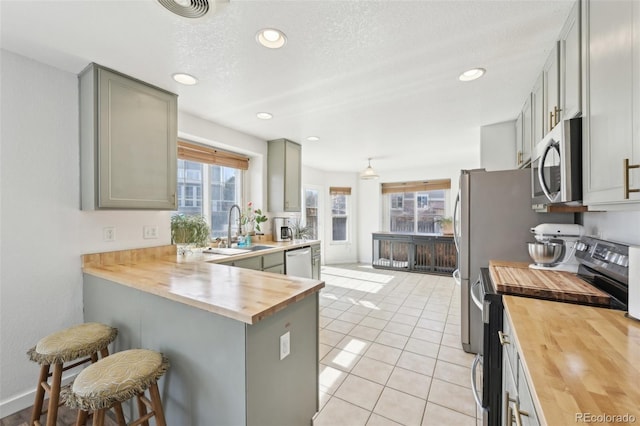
point(298, 262)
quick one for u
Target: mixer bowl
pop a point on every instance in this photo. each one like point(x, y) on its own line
point(546, 253)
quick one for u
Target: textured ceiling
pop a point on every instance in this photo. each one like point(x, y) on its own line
point(370, 78)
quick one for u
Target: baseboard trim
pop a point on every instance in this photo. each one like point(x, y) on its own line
point(17, 403)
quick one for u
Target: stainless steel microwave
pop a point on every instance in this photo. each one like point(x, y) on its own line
point(556, 166)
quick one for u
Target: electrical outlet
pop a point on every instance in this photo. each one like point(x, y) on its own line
point(109, 233)
point(149, 232)
point(285, 345)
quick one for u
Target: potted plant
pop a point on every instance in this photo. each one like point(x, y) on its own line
point(446, 225)
point(300, 232)
point(251, 219)
point(188, 232)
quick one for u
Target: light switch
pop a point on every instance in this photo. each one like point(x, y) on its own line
point(285, 345)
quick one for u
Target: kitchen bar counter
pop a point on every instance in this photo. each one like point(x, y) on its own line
point(580, 362)
point(196, 280)
point(231, 334)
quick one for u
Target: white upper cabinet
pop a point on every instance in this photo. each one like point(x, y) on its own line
point(523, 135)
point(551, 90)
point(537, 110)
point(128, 138)
point(570, 66)
point(611, 94)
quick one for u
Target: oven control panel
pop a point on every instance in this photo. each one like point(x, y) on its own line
point(608, 257)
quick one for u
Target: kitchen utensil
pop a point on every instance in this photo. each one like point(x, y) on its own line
point(547, 253)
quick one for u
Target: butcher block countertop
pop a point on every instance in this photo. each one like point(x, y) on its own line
point(518, 279)
point(241, 294)
point(578, 360)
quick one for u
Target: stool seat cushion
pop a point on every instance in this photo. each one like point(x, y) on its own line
point(115, 378)
point(72, 343)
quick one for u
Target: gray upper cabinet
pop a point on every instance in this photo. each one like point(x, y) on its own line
point(611, 90)
point(570, 66)
point(284, 171)
point(128, 138)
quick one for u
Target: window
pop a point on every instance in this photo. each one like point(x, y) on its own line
point(311, 211)
point(209, 183)
point(414, 207)
point(339, 213)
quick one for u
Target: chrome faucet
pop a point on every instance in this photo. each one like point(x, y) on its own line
point(239, 223)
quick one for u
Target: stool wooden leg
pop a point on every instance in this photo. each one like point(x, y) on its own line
point(98, 417)
point(81, 419)
point(104, 352)
point(54, 397)
point(119, 414)
point(37, 405)
point(156, 404)
point(142, 408)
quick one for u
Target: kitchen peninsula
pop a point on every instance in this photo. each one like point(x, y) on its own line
point(220, 327)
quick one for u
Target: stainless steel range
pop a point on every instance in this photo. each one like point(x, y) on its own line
point(603, 264)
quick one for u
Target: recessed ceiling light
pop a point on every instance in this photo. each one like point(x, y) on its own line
point(472, 74)
point(186, 79)
point(271, 38)
point(313, 138)
point(264, 116)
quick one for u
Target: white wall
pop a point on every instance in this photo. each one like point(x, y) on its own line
point(369, 202)
point(615, 226)
point(43, 231)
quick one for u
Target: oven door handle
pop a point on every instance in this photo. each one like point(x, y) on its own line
point(475, 298)
point(474, 386)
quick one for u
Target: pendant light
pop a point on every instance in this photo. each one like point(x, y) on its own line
point(368, 173)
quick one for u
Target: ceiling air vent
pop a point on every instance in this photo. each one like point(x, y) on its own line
point(187, 8)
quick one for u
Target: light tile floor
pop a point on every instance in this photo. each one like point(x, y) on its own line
point(390, 350)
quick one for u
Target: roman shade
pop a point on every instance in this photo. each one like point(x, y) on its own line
point(416, 186)
point(340, 190)
point(210, 155)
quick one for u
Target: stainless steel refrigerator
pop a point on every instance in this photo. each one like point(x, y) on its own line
point(492, 220)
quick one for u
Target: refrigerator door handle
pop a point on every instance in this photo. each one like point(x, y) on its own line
point(474, 386)
point(456, 237)
point(474, 296)
point(456, 276)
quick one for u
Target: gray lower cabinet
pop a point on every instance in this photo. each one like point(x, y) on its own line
point(128, 142)
point(223, 372)
point(284, 174)
point(517, 402)
point(316, 261)
point(272, 262)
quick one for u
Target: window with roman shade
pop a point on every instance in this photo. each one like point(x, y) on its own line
point(339, 213)
point(416, 206)
point(209, 183)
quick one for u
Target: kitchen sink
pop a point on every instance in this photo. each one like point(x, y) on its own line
point(232, 251)
point(256, 248)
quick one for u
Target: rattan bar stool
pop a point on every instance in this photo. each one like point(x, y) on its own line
point(116, 379)
point(57, 349)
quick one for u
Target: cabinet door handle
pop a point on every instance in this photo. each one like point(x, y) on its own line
point(518, 414)
point(551, 119)
point(504, 338)
point(626, 167)
point(556, 114)
point(519, 157)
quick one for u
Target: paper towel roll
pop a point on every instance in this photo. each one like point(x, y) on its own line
point(634, 282)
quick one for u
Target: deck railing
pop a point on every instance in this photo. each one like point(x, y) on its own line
point(435, 254)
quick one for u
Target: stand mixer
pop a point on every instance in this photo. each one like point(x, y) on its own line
point(555, 246)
